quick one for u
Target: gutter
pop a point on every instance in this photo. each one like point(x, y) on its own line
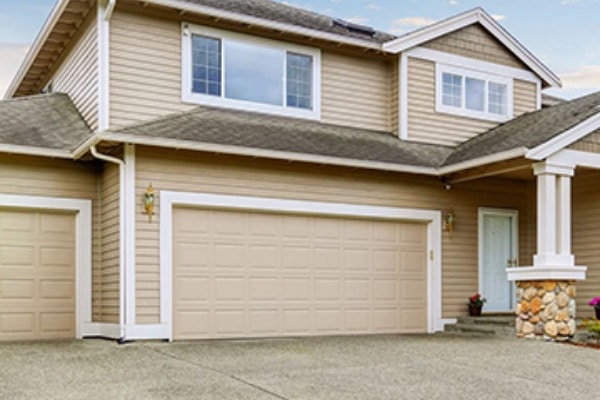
point(264, 23)
point(273, 154)
point(480, 161)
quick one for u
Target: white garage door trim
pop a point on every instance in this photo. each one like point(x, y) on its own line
point(169, 199)
point(83, 245)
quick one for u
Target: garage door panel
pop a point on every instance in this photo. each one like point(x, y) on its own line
point(37, 275)
point(264, 288)
point(57, 290)
point(293, 275)
point(15, 255)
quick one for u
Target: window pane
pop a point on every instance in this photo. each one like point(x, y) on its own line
point(206, 65)
point(253, 73)
point(475, 94)
point(451, 90)
point(299, 80)
point(497, 98)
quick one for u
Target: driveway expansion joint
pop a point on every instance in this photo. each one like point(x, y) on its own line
point(217, 371)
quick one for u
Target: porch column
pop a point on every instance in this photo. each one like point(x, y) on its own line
point(546, 291)
point(554, 215)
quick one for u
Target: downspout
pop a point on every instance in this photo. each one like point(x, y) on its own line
point(122, 236)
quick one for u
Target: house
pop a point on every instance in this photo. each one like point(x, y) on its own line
point(217, 169)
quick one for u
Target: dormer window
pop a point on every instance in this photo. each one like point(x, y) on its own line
point(473, 94)
point(232, 70)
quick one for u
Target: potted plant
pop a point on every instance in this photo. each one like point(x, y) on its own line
point(595, 302)
point(476, 304)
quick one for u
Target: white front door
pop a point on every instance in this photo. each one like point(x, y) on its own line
point(497, 251)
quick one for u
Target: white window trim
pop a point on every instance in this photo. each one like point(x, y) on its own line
point(472, 73)
point(188, 96)
point(170, 199)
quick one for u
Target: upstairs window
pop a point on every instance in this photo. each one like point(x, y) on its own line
point(238, 71)
point(473, 94)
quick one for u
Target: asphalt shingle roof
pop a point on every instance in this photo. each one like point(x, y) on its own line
point(275, 11)
point(528, 130)
point(49, 121)
point(268, 132)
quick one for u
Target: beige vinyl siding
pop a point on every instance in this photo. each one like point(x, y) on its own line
point(35, 176)
point(586, 231)
point(424, 123)
point(355, 92)
point(78, 75)
point(145, 68)
point(590, 143)
point(203, 173)
point(395, 97)
point(108, 279)
point(145, 75)
point(525, 97)
point(474, 41)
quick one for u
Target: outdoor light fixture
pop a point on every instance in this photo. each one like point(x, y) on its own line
point(149, 202)
point(449, 219)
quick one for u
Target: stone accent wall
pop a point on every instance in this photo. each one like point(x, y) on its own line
point(546, 310)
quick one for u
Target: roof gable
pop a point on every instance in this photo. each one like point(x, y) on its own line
point(475, 16)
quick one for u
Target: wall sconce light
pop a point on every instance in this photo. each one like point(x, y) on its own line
point(449, 219)
point(148, 202)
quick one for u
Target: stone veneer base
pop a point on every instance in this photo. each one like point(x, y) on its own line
point(546, 309)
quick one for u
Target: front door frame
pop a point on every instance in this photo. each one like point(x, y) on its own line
point(503, 212)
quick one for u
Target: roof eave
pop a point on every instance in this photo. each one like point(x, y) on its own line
point(35, 48)
point(484, 160)
point(265, 23)
point(35, 151)
point(264, 153)
point(441, 28)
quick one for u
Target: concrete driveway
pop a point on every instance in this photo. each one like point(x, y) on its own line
point(378, 367)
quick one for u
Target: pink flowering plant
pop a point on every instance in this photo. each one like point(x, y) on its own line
point(595, 302)
point(477, 300)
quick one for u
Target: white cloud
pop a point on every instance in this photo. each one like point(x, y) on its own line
point(453, 2)
point(11, 55)
point(567, 2)
point(403, 25)
point(498, 17)
point(373, 6)
point(357, 20)
point(584, 77)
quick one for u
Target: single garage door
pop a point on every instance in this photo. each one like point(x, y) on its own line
point(37, 275)
point(245, 274)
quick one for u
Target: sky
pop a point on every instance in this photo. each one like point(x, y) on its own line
point(563, 34)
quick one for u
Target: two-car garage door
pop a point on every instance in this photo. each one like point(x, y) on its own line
point(37, 275)
point(249, 274)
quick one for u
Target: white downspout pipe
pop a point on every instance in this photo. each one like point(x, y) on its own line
point(122, 236)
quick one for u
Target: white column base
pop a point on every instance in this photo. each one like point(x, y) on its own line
point(545, 273)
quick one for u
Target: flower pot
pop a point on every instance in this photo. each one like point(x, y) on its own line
point(597, 310)
point(474, 310)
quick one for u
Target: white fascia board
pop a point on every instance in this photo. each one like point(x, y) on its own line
point(264, 23)
point(431, 32)
point(489, 159)
point(274, 154)
point(34, 151)
point(575, 158)
point(35, 48)
point(460, 21)
point(565, 139)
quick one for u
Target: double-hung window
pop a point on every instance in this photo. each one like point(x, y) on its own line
point(473, 94)
point(233, 70)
